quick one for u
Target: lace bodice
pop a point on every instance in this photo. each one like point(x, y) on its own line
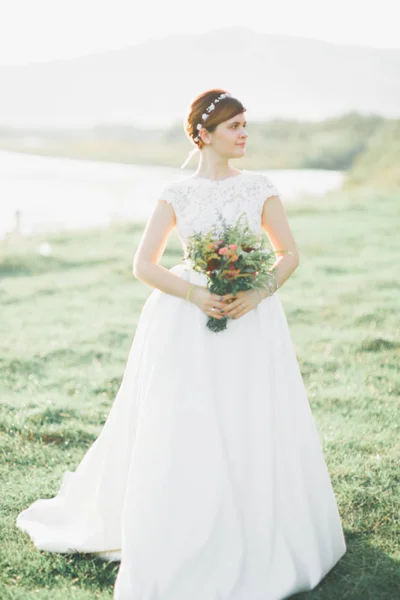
point(196, 201)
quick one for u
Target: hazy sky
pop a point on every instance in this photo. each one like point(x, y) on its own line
point(41, 30)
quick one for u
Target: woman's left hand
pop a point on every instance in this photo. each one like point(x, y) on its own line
point(244, 302)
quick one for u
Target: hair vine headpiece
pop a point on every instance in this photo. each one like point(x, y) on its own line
point(204, 116)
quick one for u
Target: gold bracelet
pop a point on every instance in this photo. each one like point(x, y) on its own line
point(189, 291)
point(268, 287)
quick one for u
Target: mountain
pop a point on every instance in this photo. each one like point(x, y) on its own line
point(153, 83)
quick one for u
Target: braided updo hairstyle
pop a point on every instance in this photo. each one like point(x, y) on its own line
point(226, 109)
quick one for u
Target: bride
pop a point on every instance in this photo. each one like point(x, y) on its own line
point(207, 480)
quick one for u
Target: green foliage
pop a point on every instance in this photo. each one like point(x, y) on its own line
point(379, 164)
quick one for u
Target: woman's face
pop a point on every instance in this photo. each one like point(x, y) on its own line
point(229, 138)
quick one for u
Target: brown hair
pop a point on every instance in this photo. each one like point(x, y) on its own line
point(225, 109)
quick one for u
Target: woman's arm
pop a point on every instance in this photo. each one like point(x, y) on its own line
point(277, 227)
point(275, 223)
point(150, 249)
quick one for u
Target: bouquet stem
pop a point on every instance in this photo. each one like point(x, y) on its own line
point(214, 324)
point(217, 325)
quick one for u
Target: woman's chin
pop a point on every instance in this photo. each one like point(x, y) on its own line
point(239, 151)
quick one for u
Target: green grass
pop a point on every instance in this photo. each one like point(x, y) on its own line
point(66, 329)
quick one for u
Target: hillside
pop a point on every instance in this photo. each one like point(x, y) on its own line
point(152, 83)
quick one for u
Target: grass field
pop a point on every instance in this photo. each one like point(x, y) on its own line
point(67, 324)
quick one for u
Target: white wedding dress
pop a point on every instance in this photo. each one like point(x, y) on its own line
point(207, 480)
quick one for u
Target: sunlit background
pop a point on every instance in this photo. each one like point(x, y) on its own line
point(94, 95)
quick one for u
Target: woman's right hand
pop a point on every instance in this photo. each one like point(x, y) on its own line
point(206, 301)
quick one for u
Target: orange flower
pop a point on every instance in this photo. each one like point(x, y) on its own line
point(231, 274)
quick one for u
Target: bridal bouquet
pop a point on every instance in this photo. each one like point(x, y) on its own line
point(232, 257)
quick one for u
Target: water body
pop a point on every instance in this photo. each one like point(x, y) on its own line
point(41, 194)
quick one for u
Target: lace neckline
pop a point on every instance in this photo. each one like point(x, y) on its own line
point(208, 179)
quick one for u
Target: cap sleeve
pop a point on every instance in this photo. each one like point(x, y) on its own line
point(266, 190)
point(168, 194)
point(269, 188)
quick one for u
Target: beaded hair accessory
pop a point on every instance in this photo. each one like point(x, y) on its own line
point(199, 126)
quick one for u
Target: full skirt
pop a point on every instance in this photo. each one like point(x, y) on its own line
point(207, 480)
